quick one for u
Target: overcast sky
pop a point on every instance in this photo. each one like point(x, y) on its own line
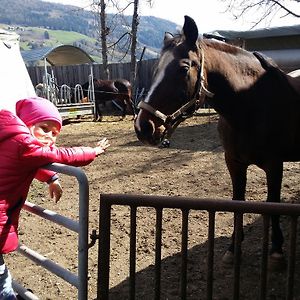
point(209, 15)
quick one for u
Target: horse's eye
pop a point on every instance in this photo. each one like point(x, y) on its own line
point(195, 64)
point(184, 68)
point(184, 65)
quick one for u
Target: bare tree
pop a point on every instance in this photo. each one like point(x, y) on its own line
point(134, 28)
point(262, 9)
point(104, 33)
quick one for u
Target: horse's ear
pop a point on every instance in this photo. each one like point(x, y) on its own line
point(190, 31)
point(168, 36)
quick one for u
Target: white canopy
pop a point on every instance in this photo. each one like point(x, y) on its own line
point(15, 83)
point(61, 55)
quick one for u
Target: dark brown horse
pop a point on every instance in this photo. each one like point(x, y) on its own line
point(248, 91)
point(118, 90)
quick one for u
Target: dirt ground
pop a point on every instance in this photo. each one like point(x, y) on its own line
point(192, 166)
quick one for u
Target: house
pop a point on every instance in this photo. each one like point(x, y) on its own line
point(280, 43)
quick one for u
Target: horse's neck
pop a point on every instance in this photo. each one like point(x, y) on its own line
point(228, 74)
point(238, 71)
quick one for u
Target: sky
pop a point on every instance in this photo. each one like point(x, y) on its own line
point(209, 15)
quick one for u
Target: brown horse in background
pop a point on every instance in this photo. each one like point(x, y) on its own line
point(118, 90)
point(248, 91)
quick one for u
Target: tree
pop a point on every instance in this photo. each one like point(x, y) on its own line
point(100, 7)
point(104, 33)
point(134, 28)
point(46, 35)
point(264, 10)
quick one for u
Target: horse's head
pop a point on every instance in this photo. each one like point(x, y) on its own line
point(175, 89)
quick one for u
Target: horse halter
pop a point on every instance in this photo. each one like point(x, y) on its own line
point(170, 122)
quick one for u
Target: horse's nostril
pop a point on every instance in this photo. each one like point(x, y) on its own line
point(144, 131)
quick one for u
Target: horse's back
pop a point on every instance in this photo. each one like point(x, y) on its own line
point(295, 73)
point(294, 80)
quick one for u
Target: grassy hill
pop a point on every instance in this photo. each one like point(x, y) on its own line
point(41, 24)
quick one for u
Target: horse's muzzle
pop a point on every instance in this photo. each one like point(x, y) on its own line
point(148, 133)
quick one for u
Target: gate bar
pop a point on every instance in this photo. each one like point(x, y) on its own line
point(132, 254)
point(49, 265)
point(264, 261)
point(83, 224)
point(204, 204)
point(292, 259)
point(51, 216)
point(158, 240)
point(210, 255)
point(184, 255)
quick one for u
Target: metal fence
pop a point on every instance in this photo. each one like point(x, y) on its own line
point(159, 203)
point(79, 280)
point(78, 74)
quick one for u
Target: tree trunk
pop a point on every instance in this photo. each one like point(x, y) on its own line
point(134, 27)
point(104, 33)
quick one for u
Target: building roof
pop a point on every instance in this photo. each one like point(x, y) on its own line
point(258, 33)
point(61, 55)
point(8, 36)
point(12, 70)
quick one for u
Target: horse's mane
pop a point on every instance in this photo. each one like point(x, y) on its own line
point(210, 43)
point(222, 46)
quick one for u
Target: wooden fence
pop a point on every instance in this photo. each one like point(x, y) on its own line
point(72, 75)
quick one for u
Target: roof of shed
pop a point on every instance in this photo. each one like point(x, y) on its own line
point(8, 36)
point(61, 55)
point(254, 34)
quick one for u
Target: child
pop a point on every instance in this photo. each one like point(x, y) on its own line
point(27, 142)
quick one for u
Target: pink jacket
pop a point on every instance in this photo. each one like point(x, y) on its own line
point(21, 157)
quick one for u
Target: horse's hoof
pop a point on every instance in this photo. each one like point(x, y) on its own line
point(228, 258)
point(276, 262)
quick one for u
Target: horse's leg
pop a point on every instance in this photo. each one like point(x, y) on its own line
point(274, 173)
point(98, 114)
point(238, 174)
point(130, 107)
point(123, 105)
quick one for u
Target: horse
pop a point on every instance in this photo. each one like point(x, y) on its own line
point(109, 90)
point(248, 91)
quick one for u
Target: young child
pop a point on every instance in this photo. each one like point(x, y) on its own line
point(27, 142)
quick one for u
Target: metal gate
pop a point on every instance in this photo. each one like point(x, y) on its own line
point(79, 280)
point(238, 208)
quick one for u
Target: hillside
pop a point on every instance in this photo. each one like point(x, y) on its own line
point(42, 24)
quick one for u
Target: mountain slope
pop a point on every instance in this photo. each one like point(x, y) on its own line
point(42, 24)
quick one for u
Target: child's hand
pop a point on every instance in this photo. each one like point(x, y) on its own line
point(55, 190)
point(102, 146)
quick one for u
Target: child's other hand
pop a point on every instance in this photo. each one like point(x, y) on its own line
point(102, 146)
point(55, 190)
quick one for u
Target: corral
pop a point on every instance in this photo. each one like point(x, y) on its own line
point(192, 166)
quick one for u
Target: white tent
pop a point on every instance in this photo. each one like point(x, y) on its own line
point(15, 83)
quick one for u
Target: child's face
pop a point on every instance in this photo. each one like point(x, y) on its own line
point(45, 132)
